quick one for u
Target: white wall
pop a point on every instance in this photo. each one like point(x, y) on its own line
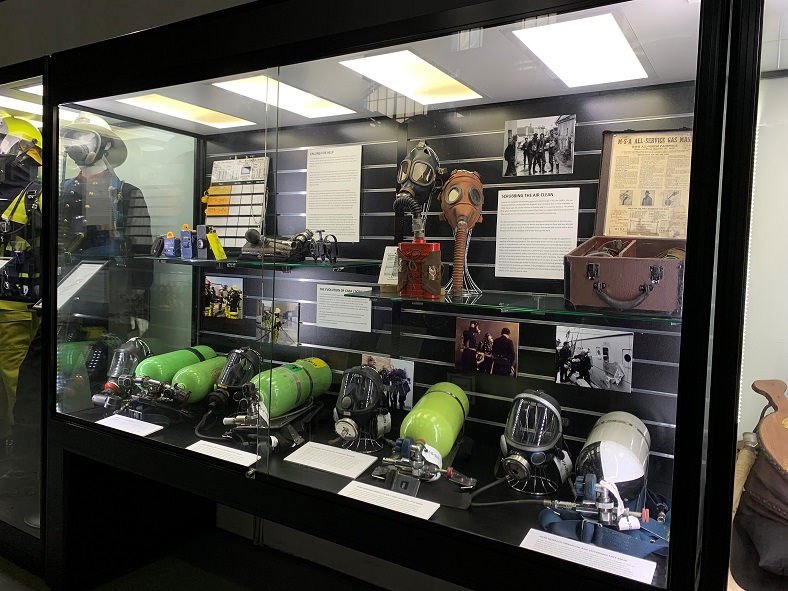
point(41, 27)
point(765, 354)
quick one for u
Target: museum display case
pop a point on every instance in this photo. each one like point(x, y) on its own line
point(21, 270)
point(441, 282)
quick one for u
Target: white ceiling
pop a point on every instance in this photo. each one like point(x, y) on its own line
point(663, 33)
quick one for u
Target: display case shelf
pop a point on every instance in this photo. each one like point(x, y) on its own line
point(233, 263)
point(516, 303)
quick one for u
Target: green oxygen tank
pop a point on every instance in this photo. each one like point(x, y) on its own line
point(71, 356)
point(437, 417)
point(194, 382)
point(283, 388)
point(319, 373)
point(163, 367)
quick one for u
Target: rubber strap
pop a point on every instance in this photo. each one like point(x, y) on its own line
point(199, 355)
point(464, 416)
point(297, 381)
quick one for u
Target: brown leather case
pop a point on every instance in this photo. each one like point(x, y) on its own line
point(638, 280)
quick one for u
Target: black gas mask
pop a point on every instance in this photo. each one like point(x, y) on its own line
point(241, 365)
point(361, 413)
point(532, 444)
point(417, 177)
point(124, 361)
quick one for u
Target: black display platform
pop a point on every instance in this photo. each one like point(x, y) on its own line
point(505, 523)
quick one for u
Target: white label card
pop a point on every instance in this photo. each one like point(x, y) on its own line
point(130, 425)
point(616, 563)
point(334, 310)
point(3, 263)
point(390, 500)
point(388, 270)
point(75, 281)
point(222, 452)
point(536, 228)
point(333, 191)
point(331, 459)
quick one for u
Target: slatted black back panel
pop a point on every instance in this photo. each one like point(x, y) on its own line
point(473, 139)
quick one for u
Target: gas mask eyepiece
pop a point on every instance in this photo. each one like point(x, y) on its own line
point(532, 444)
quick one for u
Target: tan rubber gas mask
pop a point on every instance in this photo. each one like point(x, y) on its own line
point(462, 199)
point(461, 205)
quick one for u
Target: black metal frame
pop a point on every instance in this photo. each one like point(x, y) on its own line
point(734, 230)
point(297, 32)
point(22, 547)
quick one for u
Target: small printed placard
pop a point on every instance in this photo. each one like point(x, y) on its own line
point(390, 500)
point(222, 452)
point(388, 269)
point(331, 459)
point(616, 563)
point(130, 425)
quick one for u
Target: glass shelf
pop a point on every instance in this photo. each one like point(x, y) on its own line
point(524, 302)
point(233, 263)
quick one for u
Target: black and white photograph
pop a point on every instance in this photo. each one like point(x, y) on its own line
point(593, 358)
point(397, 375)
point(539, 146)
point(487, 346)
point(222, 297)
point(277, 322)
point(647, 198)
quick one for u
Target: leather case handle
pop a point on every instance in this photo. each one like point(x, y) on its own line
point(622, 304)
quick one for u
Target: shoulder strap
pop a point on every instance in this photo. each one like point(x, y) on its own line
point(117, 204)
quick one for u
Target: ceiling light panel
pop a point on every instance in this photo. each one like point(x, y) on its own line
point(37, 89)
point(408, 74)
point(281, 95)
point(7, 102)
point(182, 110)
point(585, 51)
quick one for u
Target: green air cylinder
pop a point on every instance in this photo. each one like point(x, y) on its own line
point(71, 356)
point(163, 367)
point(319, 371)
point(437, 417)
point(199, 378)
point(288, 386)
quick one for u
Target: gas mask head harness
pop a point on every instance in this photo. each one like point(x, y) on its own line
point(89, 140)
point(361, 410)
point(532, 441)
point(418, 180)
